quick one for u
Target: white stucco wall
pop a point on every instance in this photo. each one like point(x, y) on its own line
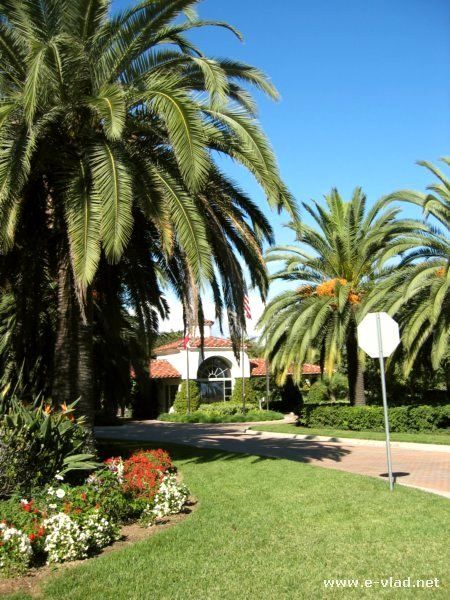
point(196, 357)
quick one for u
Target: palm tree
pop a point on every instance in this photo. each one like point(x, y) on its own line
point(112, 123)
point(336, 263)
point(419, 288)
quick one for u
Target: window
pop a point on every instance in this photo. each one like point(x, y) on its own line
point(214, 380)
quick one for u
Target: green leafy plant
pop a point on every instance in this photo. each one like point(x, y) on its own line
point(328, 389)
point(181, 400)
point(251, 395)
point(403, 419)
point(419, 288)
point(334, 265)
point(37, 442)
point(111, 122)
point(211, 417)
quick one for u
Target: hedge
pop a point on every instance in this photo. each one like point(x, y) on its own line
point(204, 417)
point(222, 408)
point(180, 404)
point(402, 419)
point(251, 394)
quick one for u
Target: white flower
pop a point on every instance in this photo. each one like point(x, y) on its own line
point(60, 493)
point(59, 477)
point(170, 498)
point(65, 539)
point(53, 506)
point(23, 501)
point(15, 547)
point(50, 491)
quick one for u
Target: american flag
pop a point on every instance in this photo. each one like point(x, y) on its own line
point(186, 342)
point(248, 313)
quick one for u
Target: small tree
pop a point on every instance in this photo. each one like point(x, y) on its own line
point(181, 400)
point(251, 395)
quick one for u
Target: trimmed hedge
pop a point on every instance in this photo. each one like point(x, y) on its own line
point(251, 394)
point(180, 404)
point(221, 408)
point(402, 419)
point(204, 417)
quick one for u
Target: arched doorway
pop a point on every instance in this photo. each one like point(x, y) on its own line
point(214, 379)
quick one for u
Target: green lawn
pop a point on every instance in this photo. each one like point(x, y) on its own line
point(273, 529)
point(420, 438)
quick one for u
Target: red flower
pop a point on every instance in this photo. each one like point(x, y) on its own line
point(84, 496)
point(143, 472)
point(41, 531)
point(27, 506)
point(32, 537)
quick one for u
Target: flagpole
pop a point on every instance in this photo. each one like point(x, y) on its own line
point(243, 381)
point(186, 343)
point(188, 391)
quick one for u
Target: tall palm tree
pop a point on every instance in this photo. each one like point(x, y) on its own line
point(419, 288)
point(334, 265)
point(113, 121)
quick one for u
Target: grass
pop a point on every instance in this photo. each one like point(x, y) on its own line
point(437, 437)
point(270, 529)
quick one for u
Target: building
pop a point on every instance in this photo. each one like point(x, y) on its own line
point(214, 367)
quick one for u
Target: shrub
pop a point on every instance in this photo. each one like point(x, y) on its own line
point(328, 389)
point(251, 394)
point(317, 393)
point(239, 417)
point(36, 442)
point(221, 408)
point(402, 419)
point(180, 404)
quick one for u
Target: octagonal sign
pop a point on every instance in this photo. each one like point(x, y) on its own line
point(376, 328)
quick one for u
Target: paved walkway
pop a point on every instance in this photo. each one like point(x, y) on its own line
point(425, 470)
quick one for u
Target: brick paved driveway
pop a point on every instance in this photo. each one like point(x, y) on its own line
point(417, 468)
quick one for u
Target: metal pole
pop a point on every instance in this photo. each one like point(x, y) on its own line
point(267, 384)
point(243, 381)
point(385, 406)
point(188, 391)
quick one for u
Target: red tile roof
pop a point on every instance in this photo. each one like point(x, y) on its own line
point(208, 342)
point(258, 368)
point(162, 369)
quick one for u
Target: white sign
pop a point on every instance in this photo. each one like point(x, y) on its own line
point(378, 328)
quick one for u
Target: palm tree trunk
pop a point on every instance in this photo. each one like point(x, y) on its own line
point(73, 363)
point(86, 402)
point(65, 360)
point(355, 373)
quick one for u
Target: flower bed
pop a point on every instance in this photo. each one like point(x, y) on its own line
point(62, 522)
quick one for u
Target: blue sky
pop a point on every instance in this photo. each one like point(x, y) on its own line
point(365, 89)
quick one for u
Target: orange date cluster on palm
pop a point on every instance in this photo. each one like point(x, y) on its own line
point(328, 288)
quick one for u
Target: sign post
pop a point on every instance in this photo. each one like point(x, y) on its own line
point(378, 336)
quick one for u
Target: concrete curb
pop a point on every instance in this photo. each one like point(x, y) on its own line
point(350, 441)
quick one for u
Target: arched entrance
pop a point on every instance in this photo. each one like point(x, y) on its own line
point(214, 379)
